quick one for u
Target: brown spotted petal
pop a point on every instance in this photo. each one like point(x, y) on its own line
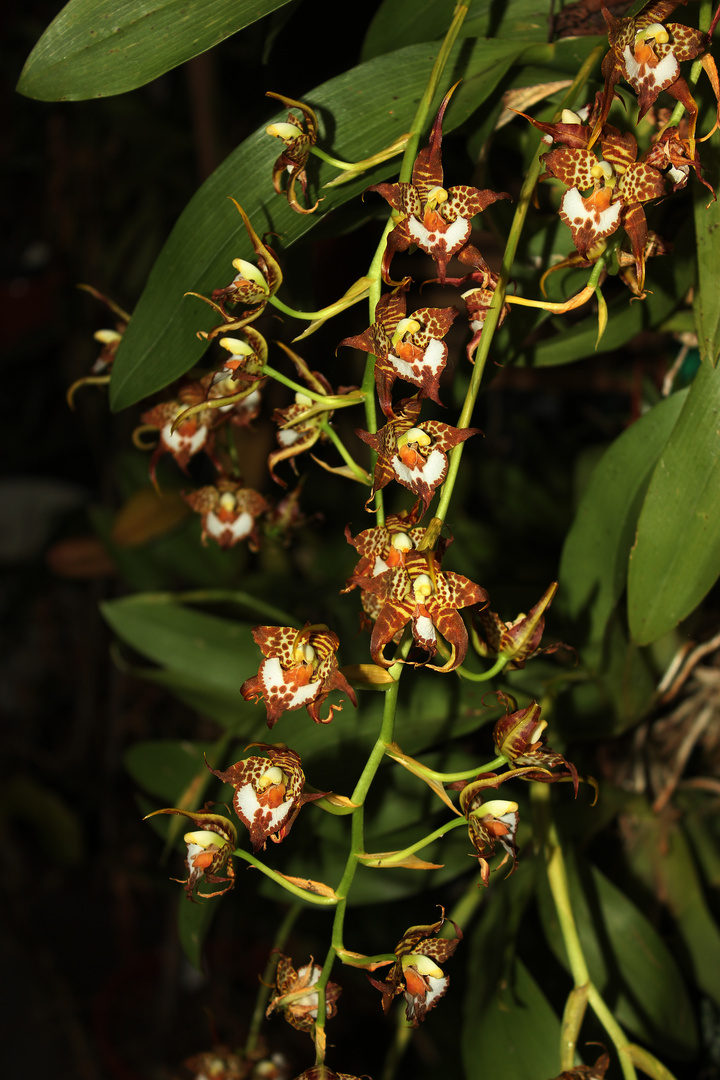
point(589, 219)
point(414, 455)
point(588, 1072)
point(430, 600)
point(300, 669)
point(490, 823)
point(382, 548)
point(322, 1072)
point(299, 136)
point(209, 848)
point(518, 640)
point(518, 737)
point(572, 167)
point(228, 512)
point(417, 972)
point(268, 792)
point(294, 994)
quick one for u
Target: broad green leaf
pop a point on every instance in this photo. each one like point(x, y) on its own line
point(193, 923)
point(369, 107)
point(676, 558)
point(517, 1035)
point(660, 855)
point(166, 767)
point(627, 959)
point(593, 566)
point(626, 318)
point(509, 1028)
point(94, 50)
point(706, 297)
point(219, 651)
point(406, 22)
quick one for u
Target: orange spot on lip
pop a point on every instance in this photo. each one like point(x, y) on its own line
point(203, 859)
point(600, 199)
point(644, 54)
point(415, 983)
point(273, 796)
point(408, 352)
point(408, 456)
point(394, 557)
point(187, 429)
point(433, 221)
point(298, 676)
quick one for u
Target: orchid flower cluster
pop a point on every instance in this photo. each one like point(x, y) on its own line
point(417, 610)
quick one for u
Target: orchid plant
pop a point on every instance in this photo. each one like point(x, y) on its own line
point(343, 668)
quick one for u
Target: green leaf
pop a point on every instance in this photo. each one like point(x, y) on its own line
point(625, 320)
point(370, 106)
point(517, 1035)
point(676, 558)
point(593, 566)
point(509, 1028)
point(706, 296)
point(193, 923)
point(660, 855)
point(407, 22)
point(94, 50)
point(166, 767)
point(627, 960)
point(196, 649)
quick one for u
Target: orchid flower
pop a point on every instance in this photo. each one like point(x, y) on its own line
point(436, 218)
point(419, 593)
point(417, 972)
point(300, 669)
point(411, 348)
point(209, 848)
point(412, 452)
point(647, 52)
point(299, 137)
point(268, 792)
point(229, 512)
point(295, 996)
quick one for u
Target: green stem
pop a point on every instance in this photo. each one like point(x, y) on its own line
point(359, 472)
point(368, 383)
point(493, 316)
point(374, 273)
point(557, 879)
point(303, 894)
point(267, 978)
point(483, 676)
point(423, 109)
point(346, 166)
point(309, 316)
point(357, 845)
point(466, 774)
point(398, 856)
point(328, 401)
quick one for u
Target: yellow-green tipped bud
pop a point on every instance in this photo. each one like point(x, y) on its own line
point(235, 346)
point(415, 435)
point(283, 131)
point(250, 272)
point(402, 542)
point(424, 965)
